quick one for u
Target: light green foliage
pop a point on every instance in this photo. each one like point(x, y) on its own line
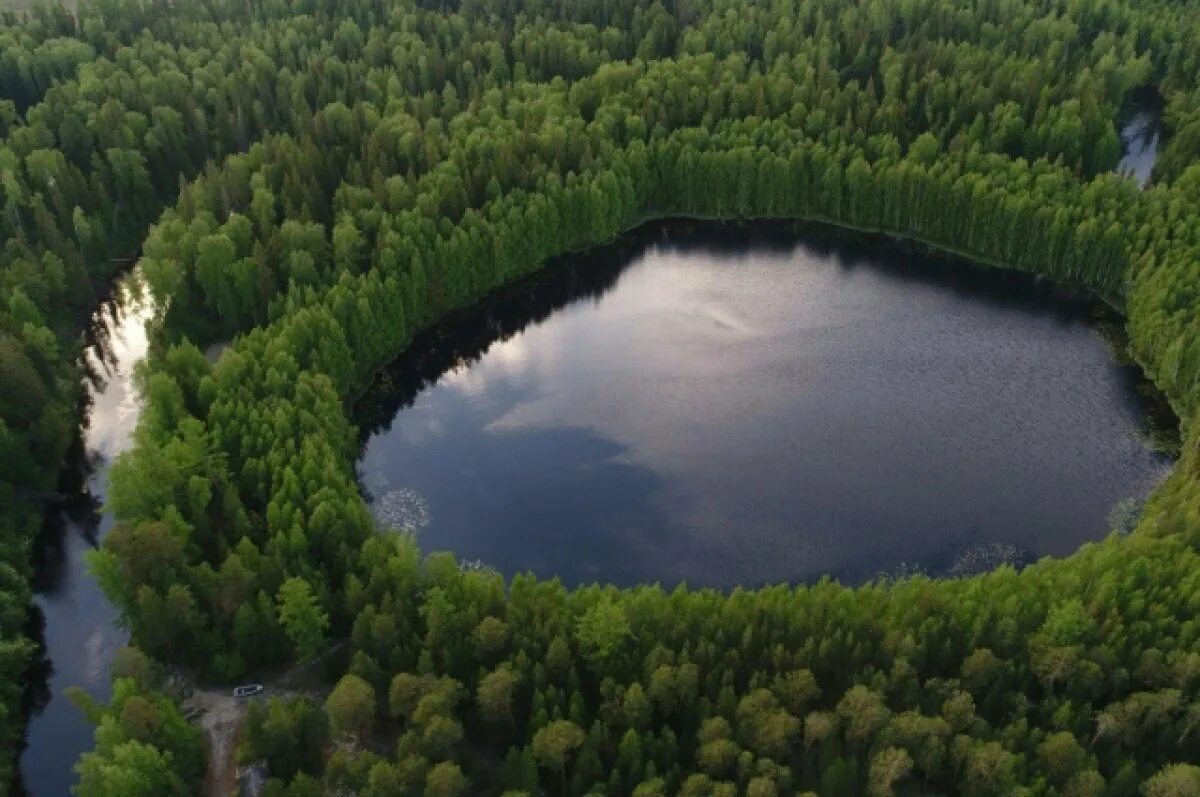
point(405, 692)
point(761, 787)
point(863, 712)
point(131, 769)
point(445, 780)
point(797, 690)
point(495, 694)
point(554, 744)
point(491, 635)
point(717, 752)
point(301, 617)
point(351, 706)
point(888, 767)
point(602, 629)
point(636, 709)
point(1175, 780)
point(764, 727)
point(1068, 624)
point(1062, 756)
point(143, 747)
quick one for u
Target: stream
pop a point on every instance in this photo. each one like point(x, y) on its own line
point(80, 632)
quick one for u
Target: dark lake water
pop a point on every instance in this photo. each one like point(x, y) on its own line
point(724, 406)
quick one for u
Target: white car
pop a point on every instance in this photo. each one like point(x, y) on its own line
point(248, 690)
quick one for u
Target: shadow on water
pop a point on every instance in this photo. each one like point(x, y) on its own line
point(463, 337)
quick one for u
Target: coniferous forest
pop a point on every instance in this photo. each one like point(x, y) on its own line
point(320, 180)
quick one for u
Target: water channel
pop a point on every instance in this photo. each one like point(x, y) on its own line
point(80, 632)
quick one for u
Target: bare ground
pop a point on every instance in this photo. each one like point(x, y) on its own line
point(220, 715)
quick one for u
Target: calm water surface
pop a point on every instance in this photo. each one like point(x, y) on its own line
point(1139, 143)
point(80, 634)
point(730, 407)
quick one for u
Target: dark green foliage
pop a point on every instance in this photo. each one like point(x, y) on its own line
point(291, 735)
point(343, 174)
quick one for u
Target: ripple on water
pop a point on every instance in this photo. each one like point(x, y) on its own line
point(404, 509)
point(987, 557)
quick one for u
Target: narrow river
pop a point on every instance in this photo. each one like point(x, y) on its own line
point(80, 629)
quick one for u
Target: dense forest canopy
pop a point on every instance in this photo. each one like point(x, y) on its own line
point(321, 180)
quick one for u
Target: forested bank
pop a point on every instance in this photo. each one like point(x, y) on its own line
point(398, 163)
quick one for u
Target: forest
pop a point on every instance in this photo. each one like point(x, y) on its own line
point(319, 181)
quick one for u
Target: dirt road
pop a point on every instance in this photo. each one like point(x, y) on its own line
point(221, 715)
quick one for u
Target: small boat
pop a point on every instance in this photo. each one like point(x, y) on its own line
point(248, 690)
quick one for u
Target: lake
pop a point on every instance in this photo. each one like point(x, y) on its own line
point(741, 406)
